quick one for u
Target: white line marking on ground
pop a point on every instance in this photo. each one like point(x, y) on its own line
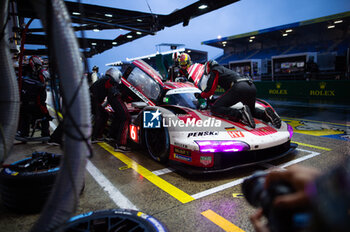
point(266, 165)
point(53, 125)
point(117, 197)
point(240, 181)
point(218, 188)
point(163, 171)
point(312, 154)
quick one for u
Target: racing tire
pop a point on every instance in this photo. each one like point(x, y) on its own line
point(114, 220)
point(25, 188)
point(157, 143)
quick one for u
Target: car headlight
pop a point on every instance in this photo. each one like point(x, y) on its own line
point(290, 130)
point(222, 146)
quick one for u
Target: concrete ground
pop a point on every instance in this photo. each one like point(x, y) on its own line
point(192, 203)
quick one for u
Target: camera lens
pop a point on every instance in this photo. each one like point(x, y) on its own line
point(257, 195)
point(253, 188)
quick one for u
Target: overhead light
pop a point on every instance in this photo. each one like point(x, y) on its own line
point(219, 37)
point(75, 13)
point(93, 44)
point(114, 43)
point(109, 15)
point(139, 33)
point(201, 7)
point(338, 21)
point(189, 51)
point(331, 26)
point(224, 42)
point(96, 30)
point(250, 40)
point(289, 30)
point(224, 45)
point(139, 20)
point(129, 36)
point(252, 37)
point(284, 34)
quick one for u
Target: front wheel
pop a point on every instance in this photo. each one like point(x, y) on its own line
point(157, 143)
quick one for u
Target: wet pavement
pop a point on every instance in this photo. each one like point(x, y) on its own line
point(194, 203)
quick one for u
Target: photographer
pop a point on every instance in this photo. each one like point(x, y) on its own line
point(325, 197)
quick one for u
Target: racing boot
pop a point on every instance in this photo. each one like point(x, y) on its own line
point(273, 117)
point(247, 116)
point(97, 140)
point(122, 148)
point(20, 136)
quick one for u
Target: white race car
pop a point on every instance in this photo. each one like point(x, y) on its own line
point(174, 128)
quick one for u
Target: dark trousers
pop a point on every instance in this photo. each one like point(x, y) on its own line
point(29, 113)
point(240, 92)
point(100, 118)
point(121, 120)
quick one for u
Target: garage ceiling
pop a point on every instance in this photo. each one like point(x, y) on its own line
point(94, 17)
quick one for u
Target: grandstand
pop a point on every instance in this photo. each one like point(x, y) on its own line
point(283, 52)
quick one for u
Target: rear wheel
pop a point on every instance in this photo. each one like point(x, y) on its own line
point(157, 143)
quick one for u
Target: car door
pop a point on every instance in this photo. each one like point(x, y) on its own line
point(196, 73)
point(144, 82)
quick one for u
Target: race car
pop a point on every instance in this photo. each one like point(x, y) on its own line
point(175, 128)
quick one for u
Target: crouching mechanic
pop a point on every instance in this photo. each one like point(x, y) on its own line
point(237, 88)
point(110, 86)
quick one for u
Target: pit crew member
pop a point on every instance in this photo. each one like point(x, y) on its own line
point(237, 88)
point(33, 97)
point(110, 86)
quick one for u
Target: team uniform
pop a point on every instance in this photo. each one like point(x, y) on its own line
point(237, 89)
point(109, 86)
point(33, 99)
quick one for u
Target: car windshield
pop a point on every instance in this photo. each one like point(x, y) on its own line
point(182, 99)
point(144, 83)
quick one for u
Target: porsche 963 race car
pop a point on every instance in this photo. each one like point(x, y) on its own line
point(174, 128)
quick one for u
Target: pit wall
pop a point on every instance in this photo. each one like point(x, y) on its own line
point(332, 91)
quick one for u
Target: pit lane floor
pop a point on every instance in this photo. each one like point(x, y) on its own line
point(193, 203)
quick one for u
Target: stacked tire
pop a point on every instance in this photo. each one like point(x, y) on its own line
point(121, 220)
point(26, 184)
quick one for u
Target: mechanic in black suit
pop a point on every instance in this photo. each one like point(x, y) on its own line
point(237, 88)
point(110, 86)
point(174, 68)
point(33, 97)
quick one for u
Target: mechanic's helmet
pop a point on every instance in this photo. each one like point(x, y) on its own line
point(175, 57)
point(185, 60)
point(208, 66)
point(115, 74)
point(35, 63)
point(95, 68)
